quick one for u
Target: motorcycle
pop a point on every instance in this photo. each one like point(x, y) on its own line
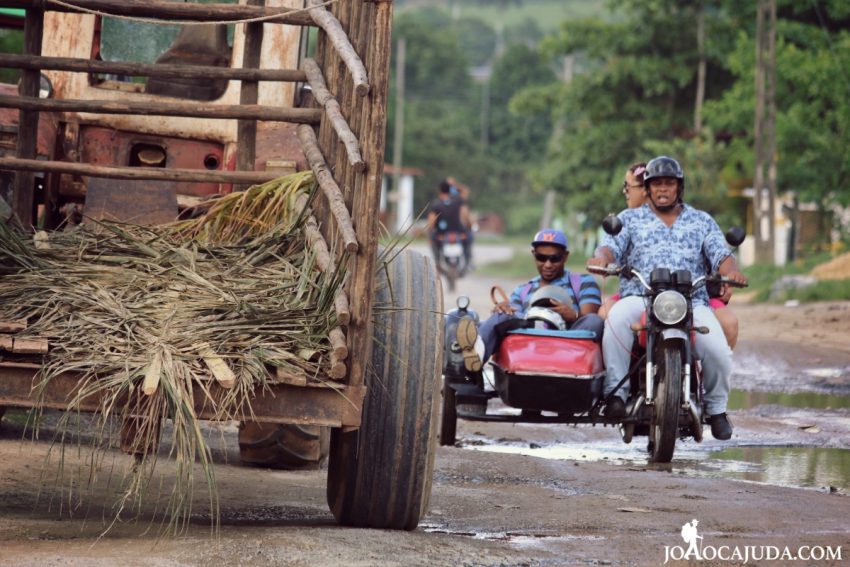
point(562, 372)
point(451, 260)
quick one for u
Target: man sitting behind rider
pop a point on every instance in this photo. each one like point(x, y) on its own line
point(670, 234)
point(449, 213)
point(636, 196)
point(550, 251)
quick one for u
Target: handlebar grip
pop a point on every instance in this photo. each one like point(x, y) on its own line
point(609, 270)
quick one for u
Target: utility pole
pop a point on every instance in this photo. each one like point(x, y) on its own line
point(398, 134)
point(764, 179)
point(700, 97)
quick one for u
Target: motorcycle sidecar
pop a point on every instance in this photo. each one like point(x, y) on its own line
point(559, 371)
point(534, 370)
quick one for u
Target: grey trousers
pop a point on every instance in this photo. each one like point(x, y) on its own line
point(712, 349)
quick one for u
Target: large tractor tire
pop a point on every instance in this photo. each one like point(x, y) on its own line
point(283, 446)
point(379, 475)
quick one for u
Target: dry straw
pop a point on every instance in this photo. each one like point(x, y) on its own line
point(147, 316)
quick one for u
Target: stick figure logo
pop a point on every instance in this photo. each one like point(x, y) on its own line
point(693, 539)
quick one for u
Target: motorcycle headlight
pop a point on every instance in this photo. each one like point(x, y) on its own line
point(670, 307)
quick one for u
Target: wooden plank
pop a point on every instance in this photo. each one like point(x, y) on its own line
point(158, 70)
point(278, 403)
point(153, 173)
point(7, 343)
point(149, 108)
point(13, 326)
point(329, 187)
point(216, 365)
point(338, 38)
point(27, 143)
point(284, 377)
point(34, 345)
point(334, 114)
point(246, 149)
point(367, 196)
point(163, 10)
point(152, 375)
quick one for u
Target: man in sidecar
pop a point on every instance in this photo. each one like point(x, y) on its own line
point(555, 298)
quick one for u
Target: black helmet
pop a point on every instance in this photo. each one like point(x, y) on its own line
point(664, 166)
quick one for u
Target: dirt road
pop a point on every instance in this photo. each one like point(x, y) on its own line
point(488, 507)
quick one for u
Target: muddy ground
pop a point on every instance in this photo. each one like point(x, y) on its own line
point(487, 508)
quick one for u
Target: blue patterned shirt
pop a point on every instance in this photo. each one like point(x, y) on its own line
point(694, 243)
point(589, 293)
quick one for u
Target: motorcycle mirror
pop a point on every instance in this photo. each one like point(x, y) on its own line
point(463, 303)
point(612, 225)
point(735, 236)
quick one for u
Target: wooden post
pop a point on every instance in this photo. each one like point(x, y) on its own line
point(246, 149)
point(764, 178)
point(366, 197)
point(27, 148)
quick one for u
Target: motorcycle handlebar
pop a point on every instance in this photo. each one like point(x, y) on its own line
point(627, 272)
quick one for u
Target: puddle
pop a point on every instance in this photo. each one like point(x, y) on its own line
point(520, 540)
point(739, 400)
point(788, 466)
point(801, 467)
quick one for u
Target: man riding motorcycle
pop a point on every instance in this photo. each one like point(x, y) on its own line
point(449, 214)
point(672, 235)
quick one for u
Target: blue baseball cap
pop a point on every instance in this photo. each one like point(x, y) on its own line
point(551, 236)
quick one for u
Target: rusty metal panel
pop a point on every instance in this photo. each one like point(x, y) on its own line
point(280, 403)
point(142, 202)
point(104, 146)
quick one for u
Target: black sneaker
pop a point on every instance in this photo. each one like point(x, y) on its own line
point(721, 427)
point(616, 408)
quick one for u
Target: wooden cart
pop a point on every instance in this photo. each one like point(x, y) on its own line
point(292, 88)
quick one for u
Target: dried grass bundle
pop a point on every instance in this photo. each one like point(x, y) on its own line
point(146, 315)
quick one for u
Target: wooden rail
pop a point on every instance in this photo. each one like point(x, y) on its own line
point(149, 108)
point(151, 173)
point(158, 70)
point(171, 10)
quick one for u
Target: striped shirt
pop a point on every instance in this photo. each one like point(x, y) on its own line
point(589, 293)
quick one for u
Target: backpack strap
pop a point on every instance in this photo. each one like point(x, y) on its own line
point(575, 282)
point(523, 294)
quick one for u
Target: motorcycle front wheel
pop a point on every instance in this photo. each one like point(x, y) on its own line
point(664, 425)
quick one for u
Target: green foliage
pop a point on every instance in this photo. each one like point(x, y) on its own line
point(11, 41)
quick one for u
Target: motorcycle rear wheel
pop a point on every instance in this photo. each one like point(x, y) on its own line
point(664, 426)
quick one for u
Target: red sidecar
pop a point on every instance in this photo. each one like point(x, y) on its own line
point(559, 371)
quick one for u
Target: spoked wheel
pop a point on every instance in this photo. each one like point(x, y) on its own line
point(379, 475)
point(448, 421)
point(283, 446)
point(664, 425)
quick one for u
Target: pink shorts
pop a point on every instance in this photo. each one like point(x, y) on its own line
point(714, 302)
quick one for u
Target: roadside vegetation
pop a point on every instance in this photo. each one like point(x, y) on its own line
point(517, 98)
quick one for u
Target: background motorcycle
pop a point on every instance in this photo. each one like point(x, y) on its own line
point(451, 261)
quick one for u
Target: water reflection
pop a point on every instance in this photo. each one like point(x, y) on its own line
point(739, 400)
point(803, 467)
point(788, 466)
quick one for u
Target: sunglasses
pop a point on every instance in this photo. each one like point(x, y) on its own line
point(626, 187)
point(543, 258)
